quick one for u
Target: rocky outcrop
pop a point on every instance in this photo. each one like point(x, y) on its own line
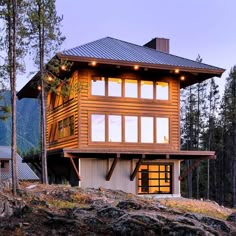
point(98, 214)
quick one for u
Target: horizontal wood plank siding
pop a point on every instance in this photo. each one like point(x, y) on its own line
point(70, 108)
point(83, 105)
point(125, 106)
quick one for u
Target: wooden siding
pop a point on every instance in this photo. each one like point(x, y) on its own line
point(89, 104)
point(83, 105)
point(69, 108)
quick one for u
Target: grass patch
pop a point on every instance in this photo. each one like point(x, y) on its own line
point(62, 204)
point(196, 206)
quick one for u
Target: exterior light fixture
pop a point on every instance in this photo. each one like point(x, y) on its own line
point(63, 67)
point(176, 71)
point(136, 67)
point(182, 78)
point(39, 87)
point(93, 63)
point(50, 78)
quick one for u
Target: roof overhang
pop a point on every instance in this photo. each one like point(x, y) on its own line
point(192, 75)
point(213, 72)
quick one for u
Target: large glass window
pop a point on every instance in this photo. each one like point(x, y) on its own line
point(146, 129)
point(162, 130)
point(98, 86)
point(114, 87)
point(114, 128)
point(162, 90)
point(131, 88)
point(131, 129)
point(147, 89)
point(155, 178)
point(98, 128)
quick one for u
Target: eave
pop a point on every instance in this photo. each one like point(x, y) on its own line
point(193, 75)
point(213, 72)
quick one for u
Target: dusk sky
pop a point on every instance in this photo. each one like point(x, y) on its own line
point(205, 27)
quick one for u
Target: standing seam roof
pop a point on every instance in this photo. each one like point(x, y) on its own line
point(113, 49)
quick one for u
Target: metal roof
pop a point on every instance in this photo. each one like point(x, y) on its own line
point(24, 170)
point(113, 49)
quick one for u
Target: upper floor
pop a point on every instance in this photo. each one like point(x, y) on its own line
point(122, 96)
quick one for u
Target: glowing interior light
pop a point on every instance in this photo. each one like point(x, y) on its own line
point(136, 67)
point(39, 87)
point(182, 78)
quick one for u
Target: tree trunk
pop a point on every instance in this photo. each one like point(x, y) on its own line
point(13, 100)
point(43, 104)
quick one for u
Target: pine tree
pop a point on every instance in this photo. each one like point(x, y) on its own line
point(229, 117)
point(46, 37)
point(13, 43)
point(213, 99)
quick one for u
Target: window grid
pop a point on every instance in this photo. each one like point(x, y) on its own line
point(142, 89)
point(124, 131)
point(66, 127)
point(159, 184)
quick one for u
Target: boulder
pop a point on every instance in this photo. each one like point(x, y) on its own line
point(110, 213)
point(217, 224)
point(129, 204)
point(137, 226)
point(232, 217)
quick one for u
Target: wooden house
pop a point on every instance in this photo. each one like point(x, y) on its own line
point(122, 129)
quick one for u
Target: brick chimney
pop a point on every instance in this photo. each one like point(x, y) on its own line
point(160, 44)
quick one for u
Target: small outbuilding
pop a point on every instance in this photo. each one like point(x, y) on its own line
point(24, 170)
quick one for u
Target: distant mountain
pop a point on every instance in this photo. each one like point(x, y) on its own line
point(28, 124)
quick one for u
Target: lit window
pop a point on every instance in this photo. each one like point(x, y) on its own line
point(114, 128)
point(131, 88)
point(146, 129)
point(114, 87)
point(98, 86)
point(131, 129)
point(162, 130)
point(147, 89)
point(162, 90)
point(98, 128)
point(154, 179)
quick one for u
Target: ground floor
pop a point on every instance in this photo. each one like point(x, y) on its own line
point(153, 176)
point(155, 173)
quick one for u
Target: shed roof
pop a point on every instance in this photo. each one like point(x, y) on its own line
point(24, 170)
point(117, 50)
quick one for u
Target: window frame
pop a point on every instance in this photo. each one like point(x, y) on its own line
point(139, 88)
point(62, 126)
point(159, 186)
point(123, 129)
